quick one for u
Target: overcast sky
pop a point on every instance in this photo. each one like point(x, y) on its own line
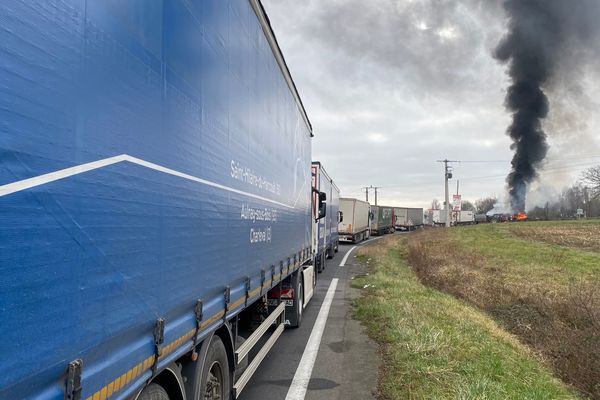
point(392, 86)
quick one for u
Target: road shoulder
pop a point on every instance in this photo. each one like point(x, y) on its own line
point(347, 365)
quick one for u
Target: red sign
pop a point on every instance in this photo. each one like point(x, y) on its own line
point(456, 203)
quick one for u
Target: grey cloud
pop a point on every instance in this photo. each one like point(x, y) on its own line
point(365, 68)
point(450, 50)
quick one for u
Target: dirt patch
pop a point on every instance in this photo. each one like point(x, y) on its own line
point(562, 324)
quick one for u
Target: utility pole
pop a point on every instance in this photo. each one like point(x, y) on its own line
point(366, 193)
point(376, 187)
point(447, 197)
point(447, 175)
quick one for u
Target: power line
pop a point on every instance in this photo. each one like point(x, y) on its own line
point(558, 168)
point(367, 192)
point(418, 181)
point(508, 161)
point(483, 161)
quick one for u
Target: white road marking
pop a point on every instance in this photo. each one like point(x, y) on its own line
point(297, 390)
point(346, 256)
point(79, 169)
point(354, 247)
point(372, 240)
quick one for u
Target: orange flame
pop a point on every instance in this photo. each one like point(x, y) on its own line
point(521, 216)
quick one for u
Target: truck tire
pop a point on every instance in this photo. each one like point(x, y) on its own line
point(216, 382)
point(297, 309)
point(330, 252)
point(320, 263)
point(153, 392)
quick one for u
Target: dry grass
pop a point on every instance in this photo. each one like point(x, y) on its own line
point(556, 313)
point(435, 346)
point(574, 235)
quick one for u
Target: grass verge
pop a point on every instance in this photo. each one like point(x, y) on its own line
point(546, 294)
point(436, 347)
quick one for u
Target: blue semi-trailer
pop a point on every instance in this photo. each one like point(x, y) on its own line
point(155, 188)
point(326, 238)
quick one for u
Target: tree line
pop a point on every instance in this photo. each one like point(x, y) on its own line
point(583, 195)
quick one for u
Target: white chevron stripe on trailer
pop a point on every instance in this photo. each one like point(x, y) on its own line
point(58, 175)
point(80, 169)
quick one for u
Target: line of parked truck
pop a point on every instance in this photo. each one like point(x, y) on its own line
point(436, 217)
point(361, 220)
point(162, 218)
point(160, 223)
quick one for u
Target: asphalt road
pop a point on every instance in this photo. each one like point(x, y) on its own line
point(346, 362)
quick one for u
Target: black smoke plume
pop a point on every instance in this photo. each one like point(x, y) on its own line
point(540, 34)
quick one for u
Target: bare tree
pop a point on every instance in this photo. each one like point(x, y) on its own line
point(435, 204)
point(486, 204)
point(591, 177)
point(466, 205)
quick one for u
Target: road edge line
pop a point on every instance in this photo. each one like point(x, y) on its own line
point(346, 256)
point(297, 390)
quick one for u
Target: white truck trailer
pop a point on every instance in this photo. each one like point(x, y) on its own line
point(356, 220)
point(438, 217)
point(463, 217)
point(408, 218)
point(435, 217)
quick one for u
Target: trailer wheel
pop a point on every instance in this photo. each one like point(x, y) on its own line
point(320, 263)
point(298, 307)
point(215, 383)
point(330, 252)
point(153, 392)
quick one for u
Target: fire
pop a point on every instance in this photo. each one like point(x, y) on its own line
point(521, 216)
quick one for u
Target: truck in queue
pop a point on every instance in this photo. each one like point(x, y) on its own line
point(155, 187)
point(407, 218)
point(355, 225)
point(326, 238)
point(463, 217)
point(436, 217)
point(382, 220)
